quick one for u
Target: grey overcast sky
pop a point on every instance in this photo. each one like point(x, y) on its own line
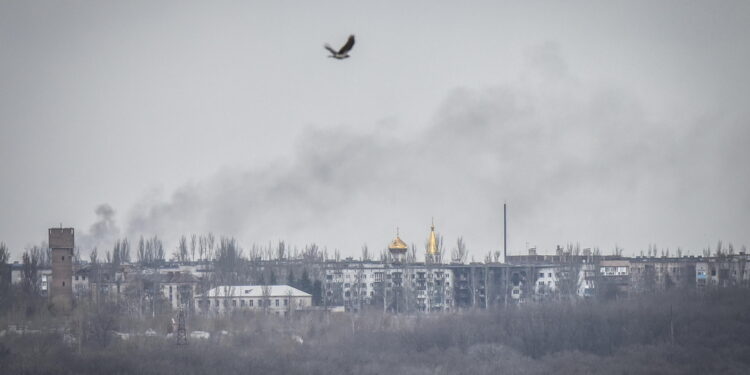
point(601, 123)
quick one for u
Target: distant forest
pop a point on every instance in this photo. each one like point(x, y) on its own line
point(680, 332)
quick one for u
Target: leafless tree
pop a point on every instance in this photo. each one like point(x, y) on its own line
point(181, 253)
point(125, 251)
point(311, 252)
point(4, 275)
point(411, 257)
point(459, 253)
point(141, 254)
point(201, 247)
point(210, 243)
point(94, 256)
point(281, 250)
point(193, 243)
point(365, 253)
point(30, 279)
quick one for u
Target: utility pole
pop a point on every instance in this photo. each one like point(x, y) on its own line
point(505, 233)
point(181, 328)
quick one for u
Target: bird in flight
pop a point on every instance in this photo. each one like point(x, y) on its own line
point(344, 51)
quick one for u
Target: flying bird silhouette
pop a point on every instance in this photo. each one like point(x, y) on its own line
point(342, 53)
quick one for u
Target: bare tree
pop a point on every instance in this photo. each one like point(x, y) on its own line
point(4, 274)
point(281, 250)
point(411, 256)
point(181, 253)
point(30, 276)
point(77, 255)
point(617, 251)
point(4, 253)
point(158, 248)
point(202, 247)
point(459, 253)
point(125, 251)
point(311, 252)
point(365, 253)
point(193, 243)
point(141, 255)
point(210, 242)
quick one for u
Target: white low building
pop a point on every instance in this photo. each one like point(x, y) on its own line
point(275, 299)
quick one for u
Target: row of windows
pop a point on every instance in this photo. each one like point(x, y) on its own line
point(378, 276)
point(247, 303)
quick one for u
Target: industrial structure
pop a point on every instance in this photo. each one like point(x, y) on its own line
point(61, 243)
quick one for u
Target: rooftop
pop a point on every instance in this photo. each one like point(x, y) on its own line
point(256, 291)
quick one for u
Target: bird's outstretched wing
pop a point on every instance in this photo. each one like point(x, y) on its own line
point(349, 44)
point(331, 50)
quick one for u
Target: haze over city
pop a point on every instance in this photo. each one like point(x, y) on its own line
point(606, 124)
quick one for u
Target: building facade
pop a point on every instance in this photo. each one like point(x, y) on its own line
point(279, 300)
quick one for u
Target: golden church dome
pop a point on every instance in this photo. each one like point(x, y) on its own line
point(432, 245)
point(398, 245)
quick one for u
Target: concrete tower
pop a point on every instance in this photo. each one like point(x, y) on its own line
point(61, 243)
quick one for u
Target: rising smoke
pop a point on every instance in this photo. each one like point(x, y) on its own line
point(577, 161)
point(102, 233)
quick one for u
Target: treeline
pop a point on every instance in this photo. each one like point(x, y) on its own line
point(676, 333)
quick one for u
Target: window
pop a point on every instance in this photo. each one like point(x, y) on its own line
point(217, 303)
point(250, 303)
point(63, 258)
point(277, 302)
point(242, 302)
point(234, 303)
point(76, 278)
point(286, 302)
point(63, 283)
point(541, 274)
point(549, 274)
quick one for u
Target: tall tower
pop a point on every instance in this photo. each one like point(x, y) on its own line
point(61, 243)
point(433, 250)
point(398, 249)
